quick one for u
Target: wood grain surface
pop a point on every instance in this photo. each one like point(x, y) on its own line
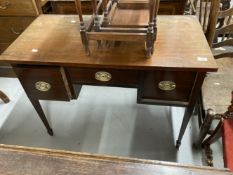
point(55, 40)
point(16, 160)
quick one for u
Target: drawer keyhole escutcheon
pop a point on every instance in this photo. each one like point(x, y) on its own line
point(4, 5)
point(42, 86)
point(167, 85)
point(103, 76)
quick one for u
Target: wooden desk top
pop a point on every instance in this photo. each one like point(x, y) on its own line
point(17, 160)
point(55, 40)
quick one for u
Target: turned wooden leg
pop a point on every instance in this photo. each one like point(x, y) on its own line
point(205, 127)
point(149, 40)
point(4, 97)
point(82, 27)
point(189, 109)
point(41, 114)
point(215, 134)
point(209, 155)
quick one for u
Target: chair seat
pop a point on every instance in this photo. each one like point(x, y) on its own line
point(217, 86)
point(227, 140)
point(224, 51)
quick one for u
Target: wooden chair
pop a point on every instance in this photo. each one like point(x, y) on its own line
point(217, 87)
point(122, 20)
point(4, 97)
point(223, 42)
point(224, 128)
point(210, 16)
point(206, 12)
point(192, 5)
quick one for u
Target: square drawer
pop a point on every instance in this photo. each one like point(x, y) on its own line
point(13, 27)
point(18, 8)
point(45, 83)
point(111, 77)
point(162, 86)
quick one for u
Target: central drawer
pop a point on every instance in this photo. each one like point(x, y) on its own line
point(105, 77)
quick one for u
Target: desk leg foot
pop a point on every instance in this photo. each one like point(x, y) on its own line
point(4, 97)
point(41, 114)
point(192, 101)
point(187, 116)
point(50, 132)
point(178, 143)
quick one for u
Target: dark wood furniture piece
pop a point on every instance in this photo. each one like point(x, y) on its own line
point(123, 20)
point(15, 16)
point(55, 60)
point(17, 160)
point(167, 7)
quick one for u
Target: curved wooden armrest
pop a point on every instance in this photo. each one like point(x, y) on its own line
point(4, 97)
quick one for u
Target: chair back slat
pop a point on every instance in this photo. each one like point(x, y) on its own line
point(200, 11)
point(214, 8)
point(206, 12)
point(228, 20)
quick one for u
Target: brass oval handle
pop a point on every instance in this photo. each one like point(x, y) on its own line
point(4, 5)
point(16, 32)
point(103, 76)
point(167, 85)
point(42, 86)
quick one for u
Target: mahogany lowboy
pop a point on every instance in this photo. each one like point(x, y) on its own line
point(51, 64)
